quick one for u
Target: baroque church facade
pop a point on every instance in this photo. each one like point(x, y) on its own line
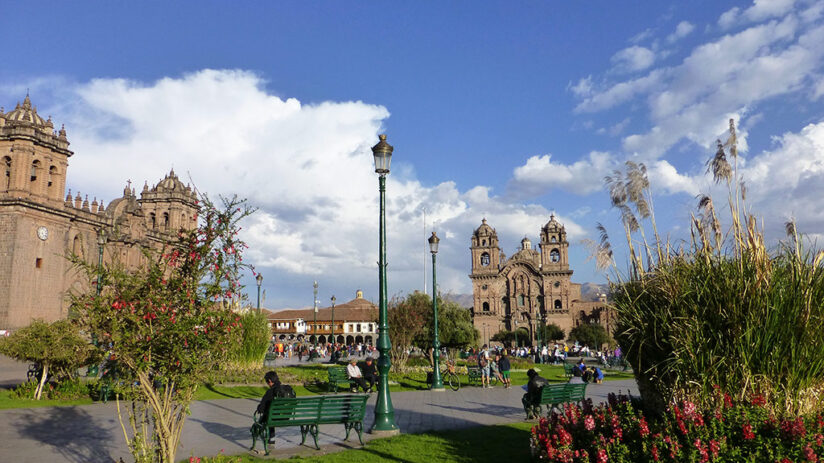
point(41, 223)
point(530, 288)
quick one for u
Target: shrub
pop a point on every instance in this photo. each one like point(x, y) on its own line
point(719, 311)
point(728, 431)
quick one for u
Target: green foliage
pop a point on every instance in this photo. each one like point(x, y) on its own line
point(168, 324)
point(518, 337)
point(253, 339)
point(723, 312)
point(552, 332)
point(592, 335)
point(407, 320)
point(57, 347)
point(455, 328)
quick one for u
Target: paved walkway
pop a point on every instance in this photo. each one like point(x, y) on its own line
point(91, 433)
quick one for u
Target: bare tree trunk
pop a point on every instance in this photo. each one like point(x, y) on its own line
point(39, 390)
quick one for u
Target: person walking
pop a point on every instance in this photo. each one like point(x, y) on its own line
point(483, 365)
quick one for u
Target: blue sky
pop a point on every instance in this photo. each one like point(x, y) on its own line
point(504, 110)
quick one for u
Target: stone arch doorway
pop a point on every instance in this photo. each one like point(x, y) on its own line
point(350, 340)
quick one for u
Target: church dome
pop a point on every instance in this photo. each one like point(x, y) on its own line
point(171, 183)
point(484, 229)
point(26, 113)
point(553, 225)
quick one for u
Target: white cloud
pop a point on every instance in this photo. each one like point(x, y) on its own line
point(759, 11)
point(583, 88)
point(307, 167)
point(683, 29)
point(540, 175)
point(633, 59)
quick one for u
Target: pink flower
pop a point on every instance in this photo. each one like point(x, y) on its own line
point(714, 448)
point(589, 423)
point(809, 454)
point(602, 456)
point(643, 427)
point(654, 451)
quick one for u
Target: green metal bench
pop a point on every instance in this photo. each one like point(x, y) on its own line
point(555, 395)
point(338, 377)
point(474, 374)
point(308, 413)
point(568, 370)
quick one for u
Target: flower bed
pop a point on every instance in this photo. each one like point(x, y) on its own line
point(730, 431)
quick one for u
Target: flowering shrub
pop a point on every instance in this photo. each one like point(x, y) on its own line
point(731, 431)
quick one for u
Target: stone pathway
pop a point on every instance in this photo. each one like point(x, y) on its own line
point(92, 433)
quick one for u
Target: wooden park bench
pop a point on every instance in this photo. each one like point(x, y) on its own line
point(308, 413)
point(555, 395)
point(338, 377)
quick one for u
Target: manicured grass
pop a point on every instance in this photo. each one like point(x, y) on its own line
point(308, 380)
point(494, 444)
point(6, 401)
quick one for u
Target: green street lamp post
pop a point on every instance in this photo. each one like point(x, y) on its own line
point(437, 382)
point(384, 412)
point(315, 327)
point(333, 321)
point(101, 241)
point(259, 280)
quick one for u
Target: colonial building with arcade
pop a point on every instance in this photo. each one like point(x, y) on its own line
point(530, 288)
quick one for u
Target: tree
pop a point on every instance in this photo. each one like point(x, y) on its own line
point(407, 320)
point(57, 347)
point(455, 328)
point(168, 323)
point(552, 332)
point(590, 334)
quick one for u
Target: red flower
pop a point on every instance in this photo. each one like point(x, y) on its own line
point(654, 451)
point(643, 428)
point(602, 456)
point(727, 400)
point(746, 431)
point(758, 400)
point(714, 448)
point(589, 423)
point(809, 454)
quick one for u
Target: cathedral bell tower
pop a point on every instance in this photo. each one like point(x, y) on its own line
point(555, 267)
point(486, 260)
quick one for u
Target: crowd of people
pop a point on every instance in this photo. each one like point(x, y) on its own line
point(306, 351)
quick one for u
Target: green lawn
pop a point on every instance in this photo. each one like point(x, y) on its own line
point(494, 444)
point(307, 380)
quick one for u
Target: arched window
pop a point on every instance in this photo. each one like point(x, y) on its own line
point(153, 219)
point(77, 246)
point(7, 168)
point(558, 305)
point(35, 166)
point(520, 299)
point(485, 259)
point(555, 256)
point(553, 239)
point(52, 176)
point(486, 306)
point(483, 242)
point(165, 220)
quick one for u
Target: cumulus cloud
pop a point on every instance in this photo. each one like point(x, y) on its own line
point(683, 29)
point(540, 175)
point(307, 167)
point(759, 11)
point(632, 59)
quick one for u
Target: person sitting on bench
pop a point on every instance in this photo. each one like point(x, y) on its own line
point(532, 399)
point(355, 375)
point(370, 372)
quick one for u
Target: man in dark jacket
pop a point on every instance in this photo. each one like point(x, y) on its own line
point(503, 366)
point(370, 372)
point(271, 379)
point(532, 399)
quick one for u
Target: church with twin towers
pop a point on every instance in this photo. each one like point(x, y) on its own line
point(531, 287)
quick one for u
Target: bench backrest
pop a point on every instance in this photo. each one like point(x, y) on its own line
point(338, 374)
point(318, 409)
point(553, 393)
point(576, 392)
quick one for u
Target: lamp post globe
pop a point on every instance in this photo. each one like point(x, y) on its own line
point(384, 412)
point(259, 281)
point(437, 381)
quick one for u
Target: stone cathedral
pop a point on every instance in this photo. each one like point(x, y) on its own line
point(512, 294)
point(40, 223)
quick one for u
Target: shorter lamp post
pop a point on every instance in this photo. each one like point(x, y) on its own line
point(315, 327)
point(333, 321)
point(437, 382)
point(259, 280)
point(101, 241)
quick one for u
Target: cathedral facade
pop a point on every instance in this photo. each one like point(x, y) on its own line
point(40, 223)
point(531, 288)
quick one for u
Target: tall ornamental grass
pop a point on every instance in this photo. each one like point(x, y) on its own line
point(721, 310)
point(253, 342)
